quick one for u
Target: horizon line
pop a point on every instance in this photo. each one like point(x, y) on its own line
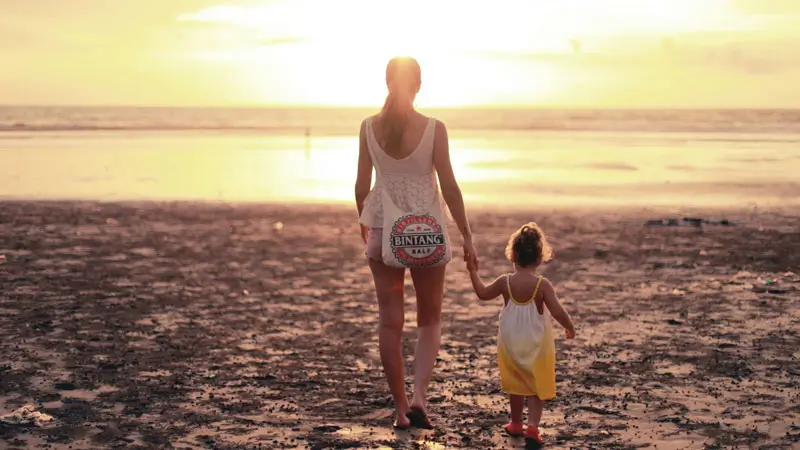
point(378, 107)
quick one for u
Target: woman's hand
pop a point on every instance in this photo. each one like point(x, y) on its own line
point(364, 233)
point(470, 254)
point(471, 266)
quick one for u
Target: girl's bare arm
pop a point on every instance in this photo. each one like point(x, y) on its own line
point(484, 292)
point(554, 306)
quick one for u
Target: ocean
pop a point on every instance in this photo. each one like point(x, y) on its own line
point(502, 157)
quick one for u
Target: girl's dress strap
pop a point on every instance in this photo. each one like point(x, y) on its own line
point(508, 286)
point(536, 291)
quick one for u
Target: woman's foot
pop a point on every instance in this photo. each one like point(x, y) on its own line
point(419, 417)
point(401, 421)
point(514, 429)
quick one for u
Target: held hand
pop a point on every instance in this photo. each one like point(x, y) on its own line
point(570, 334)
point(364, 233)
point(471, 268)
point(470, 254)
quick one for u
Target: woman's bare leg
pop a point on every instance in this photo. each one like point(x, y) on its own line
point(429, 285)
point(389, 289)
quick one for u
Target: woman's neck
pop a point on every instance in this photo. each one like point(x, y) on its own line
point(402, 102)
point(404, 107)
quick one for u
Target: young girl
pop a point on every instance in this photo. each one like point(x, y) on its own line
point(525, 345)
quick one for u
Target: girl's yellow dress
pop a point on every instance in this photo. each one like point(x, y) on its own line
point(526, 350)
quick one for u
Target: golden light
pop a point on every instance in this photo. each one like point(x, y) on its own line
point(333, 53)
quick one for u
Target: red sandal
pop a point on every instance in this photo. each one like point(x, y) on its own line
point(514, 428)
point(533, 434)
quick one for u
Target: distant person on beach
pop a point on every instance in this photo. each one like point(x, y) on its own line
point(408, 150)
point(526, 352)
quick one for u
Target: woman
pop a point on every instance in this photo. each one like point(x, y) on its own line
point(408, 151)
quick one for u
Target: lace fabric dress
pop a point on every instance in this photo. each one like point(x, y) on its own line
point(410, 182)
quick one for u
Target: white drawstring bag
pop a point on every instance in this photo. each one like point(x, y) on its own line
point(417, 239)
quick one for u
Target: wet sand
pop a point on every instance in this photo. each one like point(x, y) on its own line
point(210, 326)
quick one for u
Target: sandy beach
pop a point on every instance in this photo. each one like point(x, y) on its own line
point(177, 325)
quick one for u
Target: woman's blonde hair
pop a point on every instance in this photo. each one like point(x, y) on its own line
point(403, 78)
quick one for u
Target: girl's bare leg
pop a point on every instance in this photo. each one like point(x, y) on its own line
point(535, 406)
point(389, 289)
point(517, 403)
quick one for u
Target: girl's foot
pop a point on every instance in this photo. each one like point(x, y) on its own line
point(419, 418)
point(532, 433)
point(514, 428)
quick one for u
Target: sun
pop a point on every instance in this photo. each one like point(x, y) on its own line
point(470, 55)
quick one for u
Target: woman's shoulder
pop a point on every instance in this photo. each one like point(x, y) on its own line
point(440, 132)
point(366, 123)
point(439, 129)
point(368, 119)
point(439, 123)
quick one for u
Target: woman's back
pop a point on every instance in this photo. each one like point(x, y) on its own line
point(411, 155)
point(405, 172)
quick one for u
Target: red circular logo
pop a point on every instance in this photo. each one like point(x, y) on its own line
point(418, 240)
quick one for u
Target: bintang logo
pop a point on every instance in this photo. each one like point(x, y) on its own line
point(418, 240)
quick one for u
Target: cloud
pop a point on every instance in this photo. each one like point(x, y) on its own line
point(287, 40)
point(12, 37)
point(735, 51)
point(755, 58)
point(768, 6)
point(91, 10)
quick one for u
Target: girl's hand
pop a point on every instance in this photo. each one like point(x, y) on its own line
point(364, 233)
point(570, 334)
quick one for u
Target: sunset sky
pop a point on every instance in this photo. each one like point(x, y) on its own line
point(584, 53)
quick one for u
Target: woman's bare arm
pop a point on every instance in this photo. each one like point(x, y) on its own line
point(364, 176)
point(447, 180)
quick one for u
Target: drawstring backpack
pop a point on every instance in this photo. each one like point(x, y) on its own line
point(416, 239)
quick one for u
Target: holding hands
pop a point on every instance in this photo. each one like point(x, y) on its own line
point(470, 255)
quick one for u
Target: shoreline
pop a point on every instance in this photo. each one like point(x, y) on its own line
point(340, 206)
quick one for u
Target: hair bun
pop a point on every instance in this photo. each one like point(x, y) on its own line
point(529, 232)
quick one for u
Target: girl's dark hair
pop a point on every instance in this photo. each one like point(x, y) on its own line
point(403, 78)
point(528, 246)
